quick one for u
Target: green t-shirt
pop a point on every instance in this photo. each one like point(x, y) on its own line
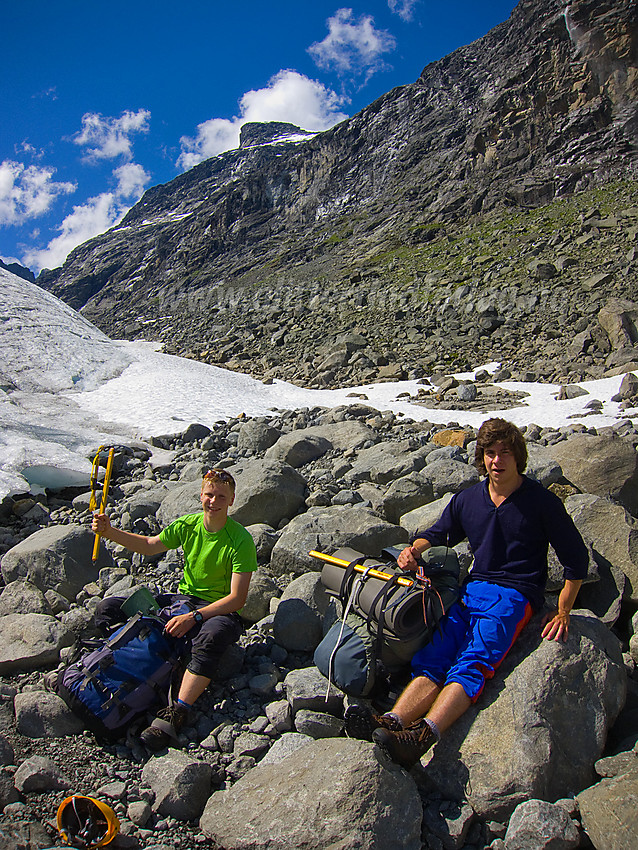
point(210, 559)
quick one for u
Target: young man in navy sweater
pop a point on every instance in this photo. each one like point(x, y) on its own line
point(509, 520)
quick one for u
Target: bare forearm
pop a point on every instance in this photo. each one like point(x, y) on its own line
point(556, 626)
point(567, 596)
point(227, 605)
point(135, 542)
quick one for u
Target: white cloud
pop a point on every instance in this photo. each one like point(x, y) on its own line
point(352, 46)
point(91, 218)
point(109, 138)
point(292, 97)
point(131, 180)
point(403, 8)
point(27, 192)
point(213, 137)
point(289, 96)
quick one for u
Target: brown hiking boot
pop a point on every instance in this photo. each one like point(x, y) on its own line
point(406, 746)
point(361, 722)
point(165, 728)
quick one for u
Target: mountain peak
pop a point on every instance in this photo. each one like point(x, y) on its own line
point(264, 133)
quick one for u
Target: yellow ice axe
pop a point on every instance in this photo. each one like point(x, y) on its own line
point(339, 562)
point(105, 491)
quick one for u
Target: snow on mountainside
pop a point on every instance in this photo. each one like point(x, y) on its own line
point(49, 347)
point(66, 388)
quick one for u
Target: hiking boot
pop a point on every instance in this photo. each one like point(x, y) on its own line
point(361, 722)
point(164, 730)
point(406, 746)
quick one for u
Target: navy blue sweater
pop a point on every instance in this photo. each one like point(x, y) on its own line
point(510, 542)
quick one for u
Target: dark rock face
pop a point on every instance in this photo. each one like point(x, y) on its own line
point(255, 133)
point(542, 106)
point(18, 270)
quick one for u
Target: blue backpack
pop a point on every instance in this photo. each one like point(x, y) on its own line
point(115, 680)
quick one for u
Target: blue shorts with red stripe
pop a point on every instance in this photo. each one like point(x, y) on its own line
point(476, 635)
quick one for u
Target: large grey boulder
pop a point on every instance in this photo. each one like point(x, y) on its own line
point(449, 476)
point(401, 496)
point(181, 499)
point(260, 591)
point(613, 534)
point(384, 462)
point(602, 465)
point(421, 518)
point(332, 793)
point(619, 319)
point(21, 595)
point(298, 448)
point(306, 689)
point(609, 813)
point(40, 714)
point(519, 742)
point(181, 784)
point(539, 825)
point(255, 437)
point(268, 491)
point(541, 466)
point(38, 774)
point(328, 529)
point(345, 435)
point(31, 641)
point(56, 558)
point(285, 745)
point(264, 537)
point(297, 624)
point(145, 503)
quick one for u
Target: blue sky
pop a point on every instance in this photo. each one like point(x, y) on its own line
point(100, 101)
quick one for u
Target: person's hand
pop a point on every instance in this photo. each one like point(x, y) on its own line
point(555, 626)
point(407, 559)
point(100, 523)
point(180, 625)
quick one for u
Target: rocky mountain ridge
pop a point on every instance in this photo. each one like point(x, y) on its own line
point(273, 250)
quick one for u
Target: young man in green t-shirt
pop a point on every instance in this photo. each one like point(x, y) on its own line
point(219, 559)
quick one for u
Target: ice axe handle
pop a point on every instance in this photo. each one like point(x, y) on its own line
point(105, 493)
point(339, 562)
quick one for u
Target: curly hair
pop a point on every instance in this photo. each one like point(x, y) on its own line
point(500, 431)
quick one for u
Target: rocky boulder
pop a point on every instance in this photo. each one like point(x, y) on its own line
point(30, 641)
point(261, 590)
point(326, 530)
point(268, 491)
point(519, 742)
point(608, 811)
point(297, 624)
point(425, 516)
point(181, 784)
point(385, 462)
point(298, 448)
point(335, 788)
point(619, 320)
point(56, 558)
point(21, 595)
point(602, 465)
point(614, 538)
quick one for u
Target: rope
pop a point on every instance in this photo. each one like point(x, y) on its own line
point(360, 578)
